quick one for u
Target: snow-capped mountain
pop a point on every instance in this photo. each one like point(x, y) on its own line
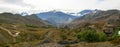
point(83, 12)
point(24, 13)
point(56, 17)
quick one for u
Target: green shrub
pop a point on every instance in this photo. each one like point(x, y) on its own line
point(63, 37)
point(32, 29)
point(67, 46)
point(102, 36)
point(115, 35)
point(32, 26)
point(115, 39)
point(91, 36)
point(80, 36)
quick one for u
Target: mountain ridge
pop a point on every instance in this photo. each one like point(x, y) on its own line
point(109, 16)
point(56, 17)
point(18, 19)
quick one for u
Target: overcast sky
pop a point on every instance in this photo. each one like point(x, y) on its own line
point(64, 5)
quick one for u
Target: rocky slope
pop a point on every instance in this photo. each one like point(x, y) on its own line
point(110, 17)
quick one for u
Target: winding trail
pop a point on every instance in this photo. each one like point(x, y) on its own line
point(9, 32)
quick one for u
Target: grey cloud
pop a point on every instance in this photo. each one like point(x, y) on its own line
point(13, 1)
point(17, 2)
point(101, 0)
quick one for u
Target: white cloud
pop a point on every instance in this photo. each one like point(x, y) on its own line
point(109, 4)
point(74, 5)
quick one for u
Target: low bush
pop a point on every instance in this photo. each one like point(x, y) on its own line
point(115, 39)
point(63, 37)
point(91, 36)
point(67, 46)
point(32, 26)
point(102, 36)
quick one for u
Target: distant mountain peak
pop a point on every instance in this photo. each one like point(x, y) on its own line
point(23, 13)
point(83, 12)
point(55, 11)
point(56, 17)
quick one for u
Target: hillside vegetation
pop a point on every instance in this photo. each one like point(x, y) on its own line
point(98, 29)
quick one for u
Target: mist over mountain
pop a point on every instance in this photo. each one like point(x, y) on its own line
point(56, 17)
